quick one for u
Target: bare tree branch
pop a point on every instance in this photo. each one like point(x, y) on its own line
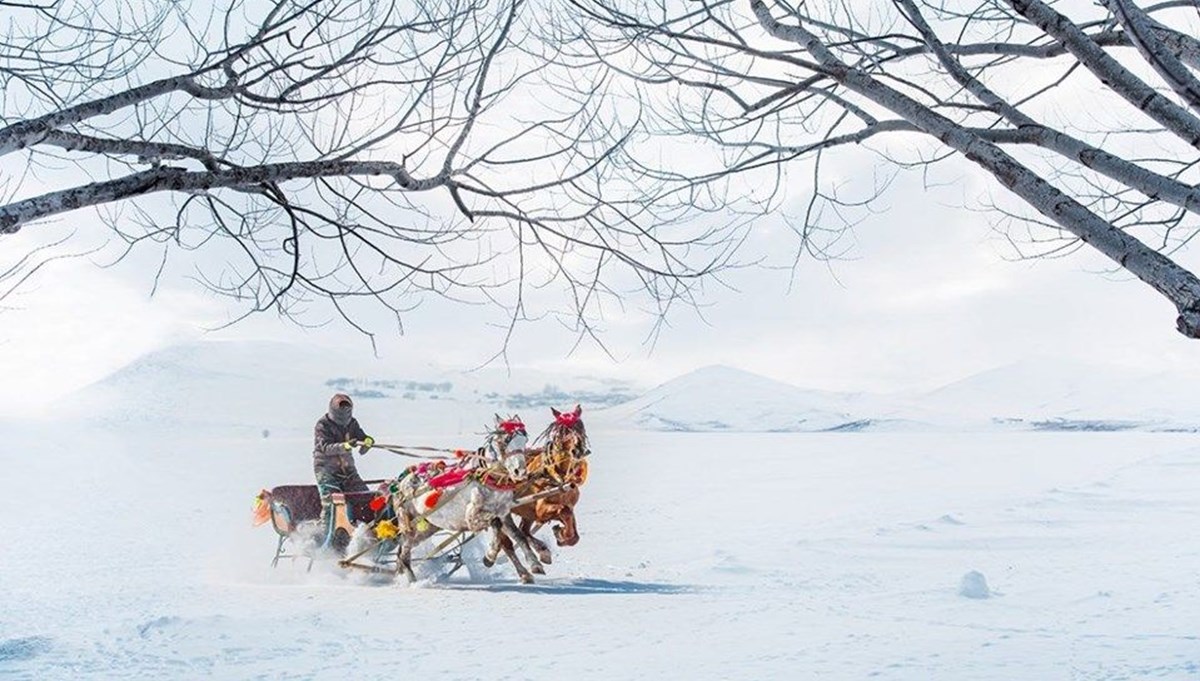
point(288, 151)
point(1110, 72)
point(786, 83)
point(1140, 27)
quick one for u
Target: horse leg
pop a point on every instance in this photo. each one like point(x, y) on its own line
point(567, 534)
point(538, 545)
point(494, 548)
point(522, 573)
point(405, 540)
point(518, 538)
point(404, 556)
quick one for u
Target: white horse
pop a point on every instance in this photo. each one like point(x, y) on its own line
point(483, 499)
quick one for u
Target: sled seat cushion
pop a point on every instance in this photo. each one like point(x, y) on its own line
point(303, 502)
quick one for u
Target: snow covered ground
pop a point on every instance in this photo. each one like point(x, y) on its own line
point(703, 556)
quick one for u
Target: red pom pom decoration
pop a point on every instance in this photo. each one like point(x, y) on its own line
point(511, 426)
point(433, 498)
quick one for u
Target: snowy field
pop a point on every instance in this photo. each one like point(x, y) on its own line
point(703, 556)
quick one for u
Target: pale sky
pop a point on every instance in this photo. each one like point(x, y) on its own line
point(928, 298)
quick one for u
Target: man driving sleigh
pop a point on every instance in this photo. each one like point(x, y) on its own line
point(334, 439)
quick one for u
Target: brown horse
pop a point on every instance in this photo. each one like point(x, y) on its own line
point(561, 462)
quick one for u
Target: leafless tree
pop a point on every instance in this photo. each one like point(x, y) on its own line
point(308, 153)
point(1087, 114)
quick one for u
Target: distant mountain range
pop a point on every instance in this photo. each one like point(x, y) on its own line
point(253, 386)
point(231, 386)
point(721, 398)
point(1062, 394)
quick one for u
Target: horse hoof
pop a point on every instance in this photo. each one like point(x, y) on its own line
point(488, 562)
point(545, 558)
point(527, 579)
point(538, 570)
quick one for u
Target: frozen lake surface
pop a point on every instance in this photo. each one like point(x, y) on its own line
point(703, 556)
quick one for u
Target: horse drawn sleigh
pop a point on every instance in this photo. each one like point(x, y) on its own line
point(432, 510)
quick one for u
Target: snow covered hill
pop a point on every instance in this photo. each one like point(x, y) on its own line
point(721, 398)
point(1036, 394)
point(1058, 394)
point(238, 386)
point(269, 388)
point(249, 387)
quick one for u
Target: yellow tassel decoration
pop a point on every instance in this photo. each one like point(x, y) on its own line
point(386, 529)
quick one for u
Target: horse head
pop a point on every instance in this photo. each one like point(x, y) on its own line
point(567, 434)
point(515, 466)
point(508, 436)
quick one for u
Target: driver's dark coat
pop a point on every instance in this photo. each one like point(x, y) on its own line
point(328, 452)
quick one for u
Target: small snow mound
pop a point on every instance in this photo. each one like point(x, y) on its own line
point(728, 563)
point(950, 520)
point(974, 585)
